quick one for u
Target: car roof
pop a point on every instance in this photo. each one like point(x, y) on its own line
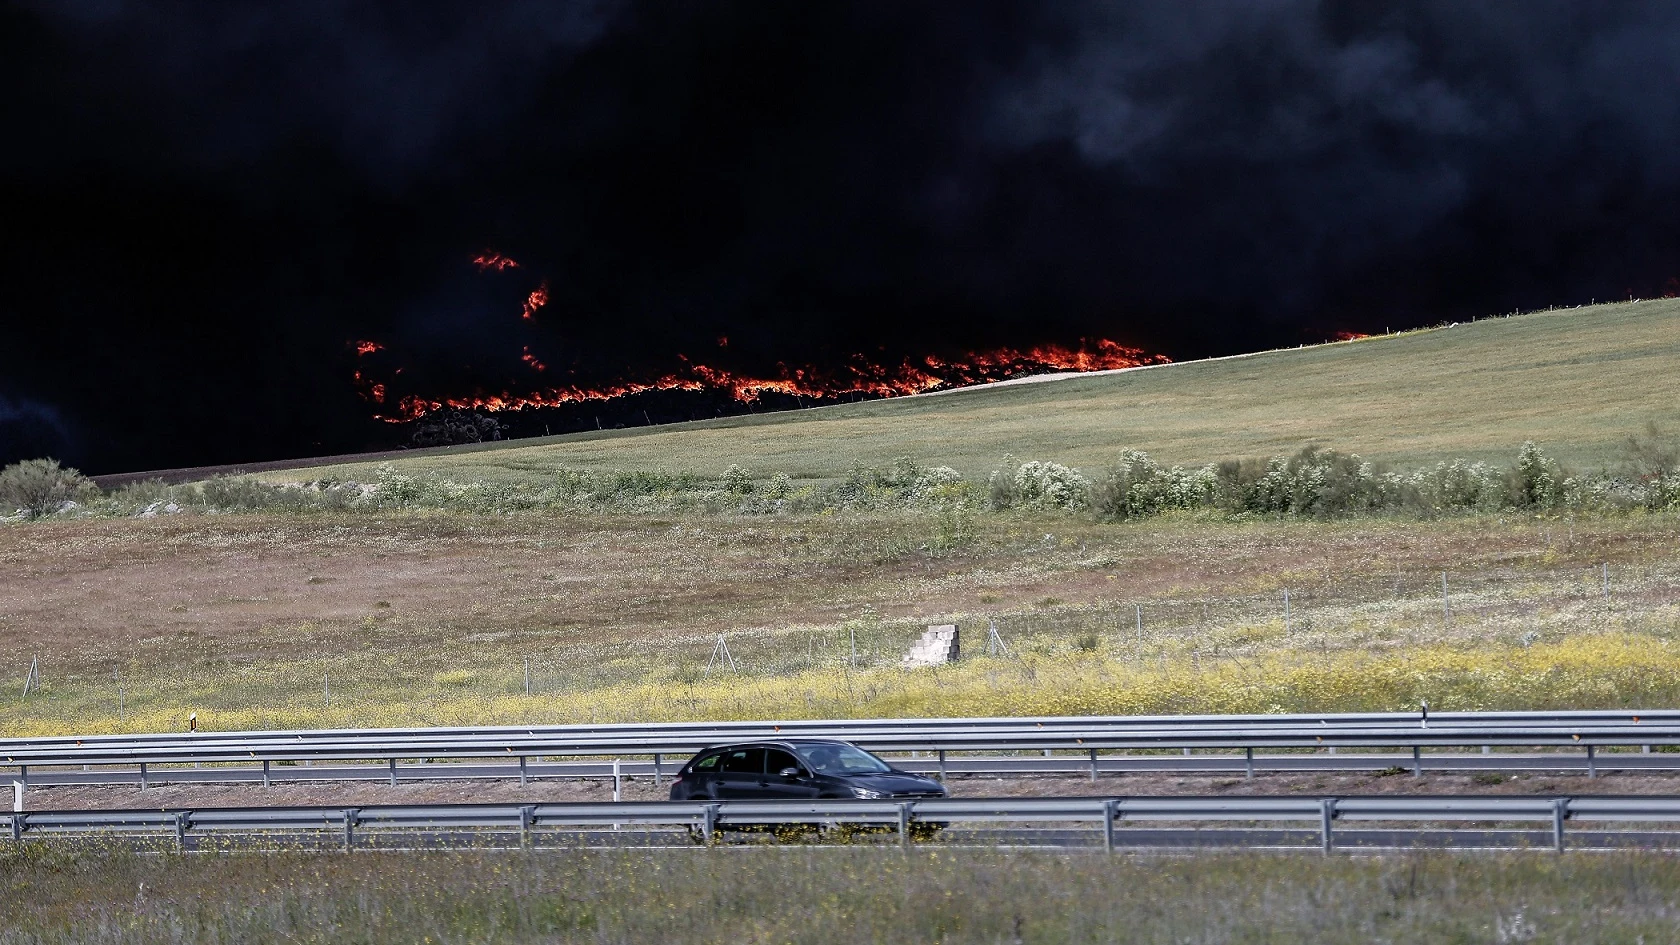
point(781, 743)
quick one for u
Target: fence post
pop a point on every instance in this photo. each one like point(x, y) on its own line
point(265, 772)
point(941, 766)
point(658, 769)
point(393, 764)
point(708, 823)
point(1093, 764)
point(1606, 580)
point(1248, 764)
point(904, 822)
point(527, 675)
point(1417, 762)
point(524, 772)
point(350, 828)
point(142, 775)
point(617, 781)
point(1327, 814)
point(1110, 806)
point(181, 831)
point(1286, 610)
point(18, 825)
point(17, 796)
point(1560, 810)
point(526, 814)
point(1446, 608)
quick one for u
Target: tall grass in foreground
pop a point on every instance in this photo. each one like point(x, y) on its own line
point(854, 896)
point(1590, 671)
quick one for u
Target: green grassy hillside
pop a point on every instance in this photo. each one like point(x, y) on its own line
point(1577, 381)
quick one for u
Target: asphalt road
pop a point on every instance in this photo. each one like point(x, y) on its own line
point(1550, 762)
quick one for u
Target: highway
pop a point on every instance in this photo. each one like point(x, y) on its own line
point(993, 765)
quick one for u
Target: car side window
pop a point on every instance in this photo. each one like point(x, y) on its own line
point(708, 763)
point(744, 761)
point(776, 759)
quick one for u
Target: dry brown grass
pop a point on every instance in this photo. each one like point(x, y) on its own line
point(239, 617)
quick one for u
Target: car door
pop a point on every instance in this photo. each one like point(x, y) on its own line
point(777, 787)
point(700, 776)
point(739, 773)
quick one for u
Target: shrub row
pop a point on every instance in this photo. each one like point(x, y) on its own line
point(1326, 483)
point(1314, 482)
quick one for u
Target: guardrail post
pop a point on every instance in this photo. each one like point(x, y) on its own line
point(1592, 768)
point(708, 823)
point(526, 814)
point(23, 775)
point(142, 775)
point(393, 766)
point(658, 769)
point(19, 825)
point(1417, 762)
point(524, 771)
point(941, 766)
point(904, 822)
point(181, 831)
point(1109, 808)
point(1327, 814)
point(1093, 764)
point(1248, 764)
point(1560, 810)
point(265, 772)
point(350, 828)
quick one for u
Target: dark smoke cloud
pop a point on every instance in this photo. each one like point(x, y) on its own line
point(28, 428)
point(206, 204)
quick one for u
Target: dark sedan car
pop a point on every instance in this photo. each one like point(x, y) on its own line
point(796, 770)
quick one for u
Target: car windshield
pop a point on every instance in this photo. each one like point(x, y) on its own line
point(843, 759)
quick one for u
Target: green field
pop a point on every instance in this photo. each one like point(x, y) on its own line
point(1577, 381)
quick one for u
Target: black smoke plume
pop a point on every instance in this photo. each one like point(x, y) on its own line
point(207, 205)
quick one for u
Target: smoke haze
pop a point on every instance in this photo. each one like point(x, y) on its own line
point(208, 205)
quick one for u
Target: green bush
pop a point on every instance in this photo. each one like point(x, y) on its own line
point(38, 487)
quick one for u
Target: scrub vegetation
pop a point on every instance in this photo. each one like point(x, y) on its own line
point(852, 895)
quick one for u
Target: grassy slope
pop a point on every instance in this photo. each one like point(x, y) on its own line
point(1576, 381)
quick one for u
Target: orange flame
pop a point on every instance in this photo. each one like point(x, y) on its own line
point(490, 259)
point(859, 376)
point(1348, 336)
point(537, 299)
point(531, 359)
point(367, 347)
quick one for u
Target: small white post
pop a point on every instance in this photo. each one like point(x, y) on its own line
point(326, 694)
point(1446, 606)
point(527, 675)
point(1286, 610)
point(1606, 580)
point(617, 782)
point(1138, 610)
point(17, 797)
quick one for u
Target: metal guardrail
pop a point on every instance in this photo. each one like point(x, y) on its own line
point(705, 819)
point(1089, 735)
